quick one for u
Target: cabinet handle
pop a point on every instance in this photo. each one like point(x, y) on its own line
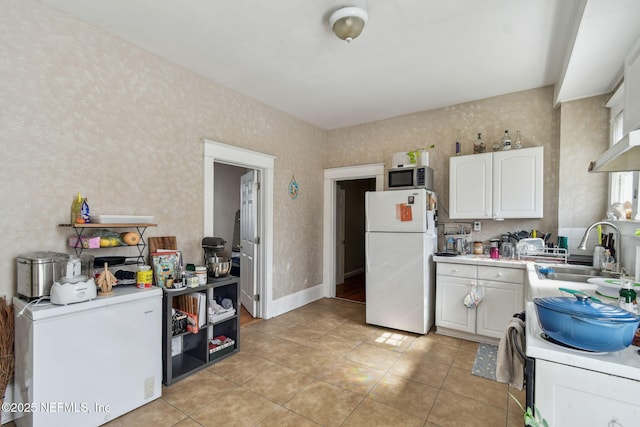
point(499, 274)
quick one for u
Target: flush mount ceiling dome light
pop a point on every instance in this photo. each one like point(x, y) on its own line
point(348, 22)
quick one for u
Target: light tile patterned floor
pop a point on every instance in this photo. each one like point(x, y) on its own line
point(323, 365)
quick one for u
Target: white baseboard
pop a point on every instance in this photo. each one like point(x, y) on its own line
point(296, 300)
point(354, 272)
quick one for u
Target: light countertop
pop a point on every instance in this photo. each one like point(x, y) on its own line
point(624, 363)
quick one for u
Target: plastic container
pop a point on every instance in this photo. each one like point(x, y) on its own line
point(477, 248)
point(201, 274)
point(144, 277)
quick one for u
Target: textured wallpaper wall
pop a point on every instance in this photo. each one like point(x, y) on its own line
point(81, 110)
point(530, 111)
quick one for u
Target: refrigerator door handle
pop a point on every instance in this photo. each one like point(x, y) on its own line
point(366, 254)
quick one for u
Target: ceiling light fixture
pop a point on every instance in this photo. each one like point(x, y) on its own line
point(348, 22)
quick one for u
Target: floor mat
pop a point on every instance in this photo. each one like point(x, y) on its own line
point(485, 363)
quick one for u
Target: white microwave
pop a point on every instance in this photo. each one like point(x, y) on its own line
point(410, 177)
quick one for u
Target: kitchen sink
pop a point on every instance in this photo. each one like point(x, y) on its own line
point(571, 273)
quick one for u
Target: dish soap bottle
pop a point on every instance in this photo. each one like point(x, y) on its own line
point(627, 300)
point(76, 207)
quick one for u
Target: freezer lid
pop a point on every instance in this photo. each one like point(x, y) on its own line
point(403, 211)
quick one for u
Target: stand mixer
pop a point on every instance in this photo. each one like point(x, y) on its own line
point(218, 265)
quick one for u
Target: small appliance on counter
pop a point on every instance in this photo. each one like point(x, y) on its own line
point(74, 289)
point(77, 284)
point(38, 271)
point(218, 265)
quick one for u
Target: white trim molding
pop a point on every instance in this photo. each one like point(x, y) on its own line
point(331, 177)
point(264, 164)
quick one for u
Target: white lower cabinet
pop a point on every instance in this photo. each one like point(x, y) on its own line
point(569, 396)
point(503, 296)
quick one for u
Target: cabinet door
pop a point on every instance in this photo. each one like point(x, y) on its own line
point(470, 186)
point(450, 309)
point(501, 301)
point(517, 183)
point(569, 396)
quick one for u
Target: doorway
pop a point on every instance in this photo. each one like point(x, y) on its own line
point(350, 243)
point(216, 153)
point(331, 179)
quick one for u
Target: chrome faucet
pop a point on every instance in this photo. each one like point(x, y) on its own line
point(583, 243)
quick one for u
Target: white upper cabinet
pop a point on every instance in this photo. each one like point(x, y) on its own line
point(499, 185)
point(631, 112)
point(470, 180)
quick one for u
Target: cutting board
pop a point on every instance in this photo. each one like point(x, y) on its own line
point(162, 242)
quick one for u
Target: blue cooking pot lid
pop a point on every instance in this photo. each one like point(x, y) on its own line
point(586, 308)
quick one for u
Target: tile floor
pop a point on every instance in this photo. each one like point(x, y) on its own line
point(322, 365)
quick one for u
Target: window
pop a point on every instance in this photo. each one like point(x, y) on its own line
point(623, 186)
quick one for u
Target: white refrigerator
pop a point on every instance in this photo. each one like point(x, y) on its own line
point(400, 240)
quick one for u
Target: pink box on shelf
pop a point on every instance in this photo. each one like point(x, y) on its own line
point(84, 242)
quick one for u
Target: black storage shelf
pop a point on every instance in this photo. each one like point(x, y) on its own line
point(195, 354)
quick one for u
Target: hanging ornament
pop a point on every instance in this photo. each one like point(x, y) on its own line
point(293, 188)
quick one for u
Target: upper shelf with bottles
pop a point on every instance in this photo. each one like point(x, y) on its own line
point(480, 147)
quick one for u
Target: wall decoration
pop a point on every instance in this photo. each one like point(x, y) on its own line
point(293, 188)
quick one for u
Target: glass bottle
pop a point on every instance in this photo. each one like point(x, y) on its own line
point(497, 146)
point(518, 143)
point(458, 145)
point(478, 146)
point(506, 141)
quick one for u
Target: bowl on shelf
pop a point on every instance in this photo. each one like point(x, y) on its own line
point(218, 266)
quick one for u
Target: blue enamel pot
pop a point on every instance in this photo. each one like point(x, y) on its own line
point(585, 324)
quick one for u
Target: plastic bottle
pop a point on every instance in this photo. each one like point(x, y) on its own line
point(458, 145)
point(506, 141)
point(627, 300)
point(85, 211)
point(76, 208)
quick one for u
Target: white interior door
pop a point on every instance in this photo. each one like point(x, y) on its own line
point(248, 240)
point(340, 235)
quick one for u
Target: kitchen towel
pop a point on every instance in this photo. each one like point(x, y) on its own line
point(510, 366)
